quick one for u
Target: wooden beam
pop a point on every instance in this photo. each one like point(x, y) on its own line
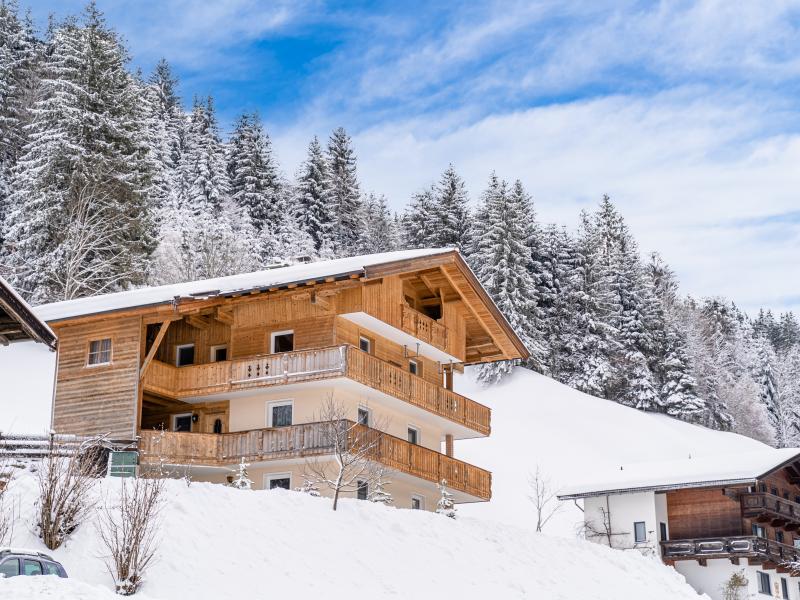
point(154, 348)
point(198, 322)
point(224, 314)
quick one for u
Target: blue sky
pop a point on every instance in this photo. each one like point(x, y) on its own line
point(686, 113)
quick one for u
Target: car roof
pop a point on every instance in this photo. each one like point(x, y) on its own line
point(24, 552)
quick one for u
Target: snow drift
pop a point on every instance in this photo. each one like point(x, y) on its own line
point(220, 542)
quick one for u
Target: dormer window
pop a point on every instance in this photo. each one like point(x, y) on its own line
point(99, 352)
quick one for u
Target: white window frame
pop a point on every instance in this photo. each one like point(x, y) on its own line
point(363, 338)
point(175, 420)
point(419, 434)
point(275, 334)
point(213, 351)
point(272, 403)
point(178, 353)
point(270, 476)
point(110, 353)
point(421, 501)
point(367, 410)
point(416, 364)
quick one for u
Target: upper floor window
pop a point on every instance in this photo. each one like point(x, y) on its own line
point(759, 531)
point(639, 532)
point(279, 414)
point(779, 536)
point(219, 353)
point(363, 416)
point(365, 344)
point(415, 368)
point(282, 341)
point(413, 435)
point(184, 355)
point(773, 491)
point(762, 487)
point(100, 352)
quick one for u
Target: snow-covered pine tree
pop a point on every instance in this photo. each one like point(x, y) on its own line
point(344, 193)
point(419, 221)
point(446, 505)
point(378, 492)
point(377, 234)
point(241, 481)
point(452, 221)
point(86, 153)
point(309, 487)
point(501, 259)
point(313, 203)
point(788, 384)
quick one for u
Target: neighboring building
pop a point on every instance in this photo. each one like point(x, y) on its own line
point(17, 321)
point(237, 368)
point(709, 517)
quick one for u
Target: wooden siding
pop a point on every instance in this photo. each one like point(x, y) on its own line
point(699, 513)
point(180, 332)
point(310, 440)
point(98, 400)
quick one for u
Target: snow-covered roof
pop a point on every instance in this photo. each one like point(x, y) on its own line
point(704, 471)
point(225, 285)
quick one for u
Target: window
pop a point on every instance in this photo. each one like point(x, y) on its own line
point(363, 416)
point(759, 531)
point(365, 344)
point(219, 353)
point(434, 311)
point(182, 422)
point(281, 481)
point(773, 491)
point(217, 425)
point(784, 588)
point(796, 542)
point(785, 495)
point(100, 352)
point(362, 491)
point(662, 527)
point(763, 583)
point(10, 568)
point(797, 499)
point(415, 368)
point(123, 464)
point(417, 502)
point(413, 435)
point(184, 355)
point(639, 532)
point(762, 487)
point(31, 567)
point(51, 569)
point(282, 341)
point(779, 537)
point(279, 414)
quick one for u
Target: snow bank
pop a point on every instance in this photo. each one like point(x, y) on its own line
point(26, 387)
point(572, 437)
point(218, 542)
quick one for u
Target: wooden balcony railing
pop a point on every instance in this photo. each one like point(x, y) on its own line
point(310, 365)
point(306, 440)
point(730, 547)
point(772, 507)
point(423, 327)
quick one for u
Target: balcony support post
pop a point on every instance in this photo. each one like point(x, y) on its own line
point(448, 444)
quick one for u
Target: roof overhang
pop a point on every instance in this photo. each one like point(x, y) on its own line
point(18, 323)
point(660, 488)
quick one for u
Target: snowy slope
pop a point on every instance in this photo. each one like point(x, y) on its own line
point(26, 387)
point(218, 542)
point(572, 437)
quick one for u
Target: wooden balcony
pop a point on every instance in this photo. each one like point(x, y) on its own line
point(755, 549)
point(423, 327)
point(311, 365)
point(308, 440)
point(772, 509)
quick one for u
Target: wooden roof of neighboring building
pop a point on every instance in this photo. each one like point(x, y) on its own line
point(720, 470)
point(446, 261)
point(18, 323)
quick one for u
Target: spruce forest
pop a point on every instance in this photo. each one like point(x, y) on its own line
point(108, 183)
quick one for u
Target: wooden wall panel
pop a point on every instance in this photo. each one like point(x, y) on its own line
point(180, 332)
point(100, 399)
point(207, 412)
point(700, 513)
point(308, 333)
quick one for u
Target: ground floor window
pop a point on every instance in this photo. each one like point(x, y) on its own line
point(784, 588)
point(763, 583)
point(639, 532)
point(363, 490)
point(663, 529)
point(278, 480)
point(417, 502)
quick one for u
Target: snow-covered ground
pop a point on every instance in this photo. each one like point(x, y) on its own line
point(218, 542)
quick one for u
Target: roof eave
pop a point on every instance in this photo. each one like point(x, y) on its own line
point(659, 488)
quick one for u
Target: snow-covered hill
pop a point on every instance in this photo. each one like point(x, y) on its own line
point(218, 542)
point(570, 435)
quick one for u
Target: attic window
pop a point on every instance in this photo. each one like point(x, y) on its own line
point(100, 352)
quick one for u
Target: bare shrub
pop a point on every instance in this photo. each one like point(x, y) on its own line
point(354, 448)
point(6, 513)
point(66, 477)
point(127, 528)
point(544, 498)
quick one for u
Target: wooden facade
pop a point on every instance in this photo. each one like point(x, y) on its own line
point(398, 328)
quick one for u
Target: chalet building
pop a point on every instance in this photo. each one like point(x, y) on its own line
point(18, 323)
point(708, 517)
point(212, 372)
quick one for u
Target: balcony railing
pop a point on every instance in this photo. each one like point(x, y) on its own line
point(308, 440)
point(730, 547)
point(770, 506)
point(423, 327)
point(311, 365)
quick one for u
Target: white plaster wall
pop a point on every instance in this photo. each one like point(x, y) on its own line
point(624, 510)
point(661, 515)
point(710, 579)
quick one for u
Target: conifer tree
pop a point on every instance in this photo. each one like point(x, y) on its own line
point(377, 234)
point(344, 194)
point(419, 221)
point(313, 201)
point(451, 223)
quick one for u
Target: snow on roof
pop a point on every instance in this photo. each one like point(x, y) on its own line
point(45, 334)
point(224, 285)
point(720, 469)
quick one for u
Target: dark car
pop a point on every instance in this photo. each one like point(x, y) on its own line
point(15, 562)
